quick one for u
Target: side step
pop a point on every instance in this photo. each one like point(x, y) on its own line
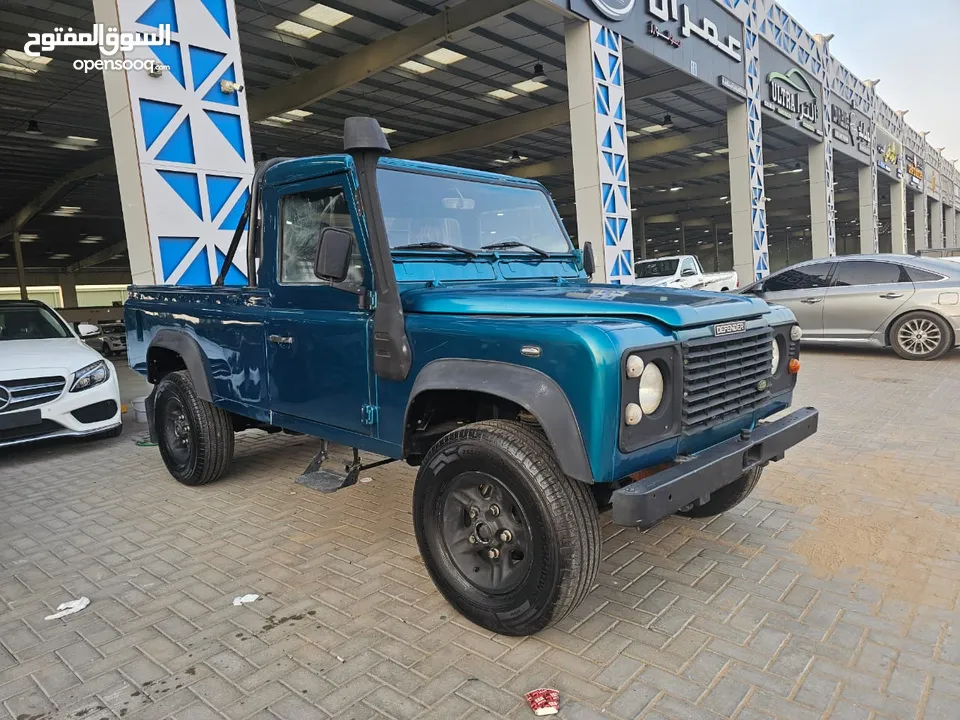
point(328, 480)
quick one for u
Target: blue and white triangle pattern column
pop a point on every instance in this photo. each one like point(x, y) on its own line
point(758, 203)
point(614, 164)
point(192, 137)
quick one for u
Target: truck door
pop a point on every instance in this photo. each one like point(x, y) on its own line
point(689, 277)
point(318, 335)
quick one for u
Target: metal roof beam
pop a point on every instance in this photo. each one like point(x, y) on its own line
point(693, 172)
point(98, 257)
point(22, 216)
point(638, 150)
point(330, 78)
point(508, 128)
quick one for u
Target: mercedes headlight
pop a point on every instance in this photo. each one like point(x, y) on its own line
point(90, 376)
point(775, 346)
point(651, 389)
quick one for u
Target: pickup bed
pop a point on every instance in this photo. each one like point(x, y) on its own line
point(442, 317)
point(683, 271)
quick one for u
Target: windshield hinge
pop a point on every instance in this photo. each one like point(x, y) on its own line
point(368, 414)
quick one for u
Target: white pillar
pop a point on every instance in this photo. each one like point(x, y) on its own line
point(950, 223)
point(598, 133)
point(822, 228)
point(898, 218)
point(920, 221)
point(869, 233)
point(68, 289)
point(936, 224)
point(181, 139)
point(750, 257)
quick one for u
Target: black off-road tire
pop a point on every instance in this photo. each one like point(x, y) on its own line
point(921, 320)
point(553, 558)
point(209, 435)
point(727, 497)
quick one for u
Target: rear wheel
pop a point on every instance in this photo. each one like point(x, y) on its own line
point(511, 542)
point(727, 497)
point(921, 336)
point(195, 437)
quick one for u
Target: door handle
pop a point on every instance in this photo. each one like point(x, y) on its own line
point(891, 296)
point(810, 301)
point(280, 340)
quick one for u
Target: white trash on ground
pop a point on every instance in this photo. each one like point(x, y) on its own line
point(244, 599)
point(69, 608)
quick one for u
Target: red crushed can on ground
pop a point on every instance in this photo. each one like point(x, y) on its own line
point(544, 701)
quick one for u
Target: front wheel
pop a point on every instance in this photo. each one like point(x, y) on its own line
point(509, 540)
point(195, 437)
point(921, 336)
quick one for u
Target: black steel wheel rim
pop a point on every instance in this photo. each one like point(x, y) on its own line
point(485, 532)
point(176, 431)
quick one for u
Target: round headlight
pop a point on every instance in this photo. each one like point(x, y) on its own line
point(775, 347)
point(634, 366)
point(632, 414)
point(651, 389)
point(796, 333)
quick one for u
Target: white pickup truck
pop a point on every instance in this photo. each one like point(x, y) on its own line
point(683, 271)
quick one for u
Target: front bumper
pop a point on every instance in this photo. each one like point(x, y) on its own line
point(646, 502)
point(79, 414)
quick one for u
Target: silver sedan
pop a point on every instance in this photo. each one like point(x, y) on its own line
point(910, 304)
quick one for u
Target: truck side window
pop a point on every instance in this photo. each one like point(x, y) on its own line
point(304, 216)
point(688, 265)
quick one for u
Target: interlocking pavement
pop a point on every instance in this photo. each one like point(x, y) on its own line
point(830, 593)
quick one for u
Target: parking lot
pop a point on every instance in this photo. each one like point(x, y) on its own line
point(832, 592)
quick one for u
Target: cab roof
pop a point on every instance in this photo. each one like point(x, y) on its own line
point(297, 169)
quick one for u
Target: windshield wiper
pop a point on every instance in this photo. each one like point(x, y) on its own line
point(515, 244)
point(436, 246)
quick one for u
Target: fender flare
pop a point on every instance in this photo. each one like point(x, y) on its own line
point(187, 347)
point(536, 392)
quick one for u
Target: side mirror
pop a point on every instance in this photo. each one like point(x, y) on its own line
point(688, 272)
point(334, 254)
point(589, 262)
point(86, 330)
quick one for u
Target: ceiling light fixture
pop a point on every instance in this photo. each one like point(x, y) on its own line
point(502, 94)
point(33, 128)
point(538, 74)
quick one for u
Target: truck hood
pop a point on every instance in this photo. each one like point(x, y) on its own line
point(673, 308)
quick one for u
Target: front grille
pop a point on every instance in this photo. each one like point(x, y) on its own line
point(723, 377)
point(30, 392)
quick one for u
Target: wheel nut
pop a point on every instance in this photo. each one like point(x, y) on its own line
point(494, 510)
point(493, 553)
point(506, 536)
point(474, 513)
point(473, 539)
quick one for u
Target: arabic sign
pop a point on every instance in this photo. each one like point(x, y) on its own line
point(107, 39)
point(792, 96)
point(888, 155)
point(850, 131)
point(914, 171)
point(697, 36)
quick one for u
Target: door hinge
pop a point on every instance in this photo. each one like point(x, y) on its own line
point(368, 414)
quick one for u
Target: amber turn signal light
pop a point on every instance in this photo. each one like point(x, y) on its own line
point(794, 366)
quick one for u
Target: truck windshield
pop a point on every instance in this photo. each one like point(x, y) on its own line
point(657, 268)
point(469, 214)
point(29, 323)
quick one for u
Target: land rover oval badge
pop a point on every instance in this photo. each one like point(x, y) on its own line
point(615, 9)
point(762, 385)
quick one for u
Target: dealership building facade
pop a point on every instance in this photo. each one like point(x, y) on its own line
point(719, 128)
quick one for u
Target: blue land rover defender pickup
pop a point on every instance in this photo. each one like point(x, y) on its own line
point(441, 316)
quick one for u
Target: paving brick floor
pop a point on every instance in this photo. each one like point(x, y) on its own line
point(832, 592)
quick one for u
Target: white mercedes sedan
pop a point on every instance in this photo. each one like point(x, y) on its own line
point(51, 383)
